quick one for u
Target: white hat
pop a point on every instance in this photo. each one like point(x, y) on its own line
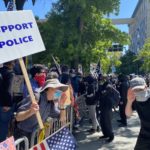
point(137, 83)
point(54, 83)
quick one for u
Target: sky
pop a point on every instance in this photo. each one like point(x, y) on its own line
point(40, 8)
point(126, 10)
point(43, 6)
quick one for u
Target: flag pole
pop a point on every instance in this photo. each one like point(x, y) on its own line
point(57, 65)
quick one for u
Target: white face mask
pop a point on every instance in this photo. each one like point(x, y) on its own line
point(73, 75)
point(142, 96)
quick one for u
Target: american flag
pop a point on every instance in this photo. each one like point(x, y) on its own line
point(98, 70)
point(61, 140)
point(8, 144)
point(10, 5)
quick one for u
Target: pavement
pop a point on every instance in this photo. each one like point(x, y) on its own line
point(125, 137)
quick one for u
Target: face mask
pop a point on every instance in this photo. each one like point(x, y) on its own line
point(80, 80)
point(73, 75)
point(57, 94)
point(40, 79)
point(142, 96)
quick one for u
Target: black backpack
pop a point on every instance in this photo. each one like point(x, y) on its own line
point(116, 97)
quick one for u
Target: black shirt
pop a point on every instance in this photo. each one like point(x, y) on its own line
point(6, 91)
point(143, 110)
point(90, 97)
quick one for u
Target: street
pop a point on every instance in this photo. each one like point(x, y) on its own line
point(125, 137)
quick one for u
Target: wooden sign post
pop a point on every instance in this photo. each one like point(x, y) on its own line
point(24, 71)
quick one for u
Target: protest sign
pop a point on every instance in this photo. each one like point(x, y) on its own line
point(19, 35)
point(18, 84)
point(92, 67)
point(80, 68)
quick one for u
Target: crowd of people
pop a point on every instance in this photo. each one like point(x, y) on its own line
point(85, 93)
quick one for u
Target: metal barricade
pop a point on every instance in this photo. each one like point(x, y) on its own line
point(82, 105)
point(69, 114)
point(52, 125)
point(20, 140)
point(34, 138)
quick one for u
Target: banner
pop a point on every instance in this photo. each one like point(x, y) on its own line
point(19, 35)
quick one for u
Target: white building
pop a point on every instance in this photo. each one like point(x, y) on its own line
point(139, 30)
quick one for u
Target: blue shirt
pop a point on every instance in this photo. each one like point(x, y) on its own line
point(47, 109)
point(34, 85)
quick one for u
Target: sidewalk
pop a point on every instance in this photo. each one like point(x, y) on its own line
point(125, 137)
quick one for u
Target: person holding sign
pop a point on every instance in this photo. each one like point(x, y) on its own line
point(30, 43)
point(25, 116)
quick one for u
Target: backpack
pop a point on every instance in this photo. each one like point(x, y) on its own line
point(115, 97)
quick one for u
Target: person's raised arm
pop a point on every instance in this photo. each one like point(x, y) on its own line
point(131, 99)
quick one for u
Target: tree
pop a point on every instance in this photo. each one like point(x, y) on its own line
point(74, 29)
point(144, 57)
point(107, 58)
point(129, 64)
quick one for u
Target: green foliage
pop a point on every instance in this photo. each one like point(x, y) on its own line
point(144, 57)
point(77, 32)
point(107, 58)
point(129, 64)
